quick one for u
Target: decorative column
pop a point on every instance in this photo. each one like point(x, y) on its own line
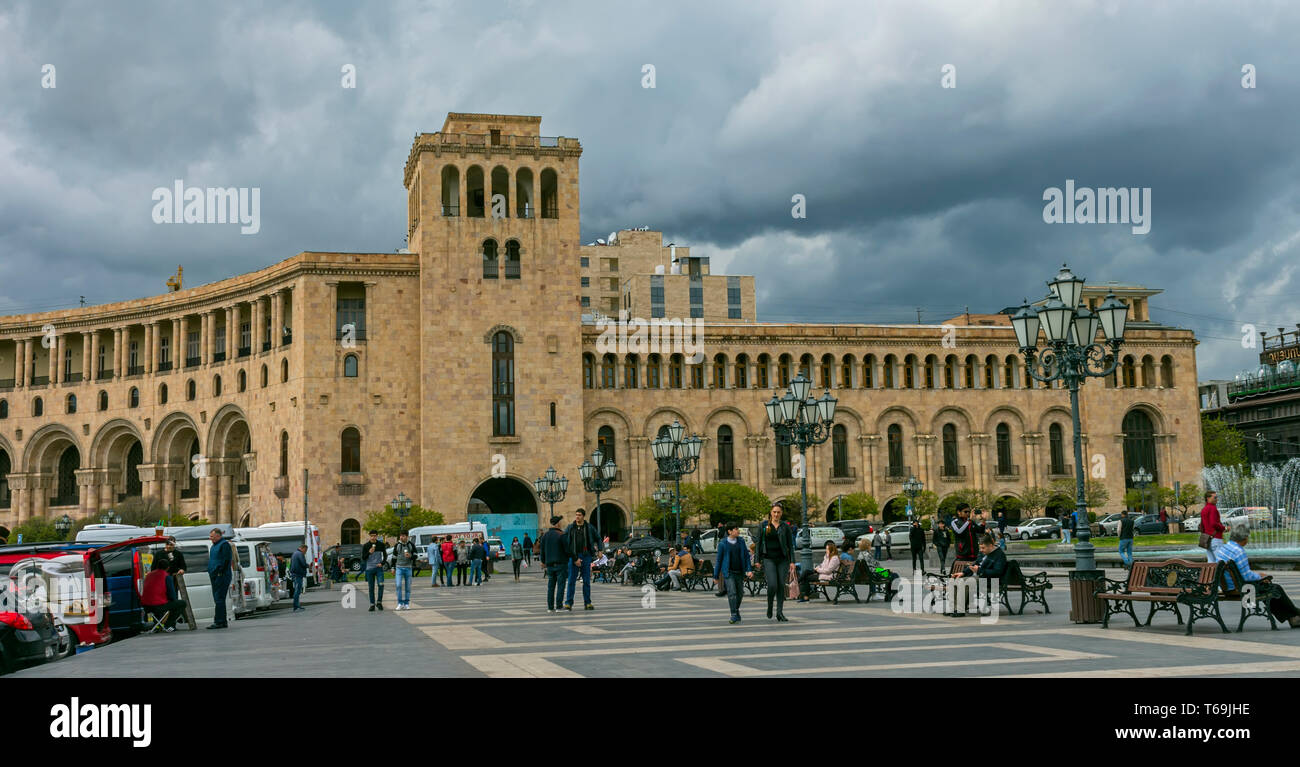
point(255, 327)
point(178, 345)
point(182, 343)
point(88, 491)
point(151, 344)
point(86, 344)
point(92, 365)
point(277, 319)
point(923, 443)
point(149, 480)
point(18, 485)
point(232, 331)
point(20, 363)
point(117, 353)
point(210, 339)
point(56, 360)
point(978, 441)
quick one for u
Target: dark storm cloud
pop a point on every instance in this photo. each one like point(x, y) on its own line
point(917, 195)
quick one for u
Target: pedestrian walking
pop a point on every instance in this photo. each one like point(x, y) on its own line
point(373, 554)
point(916, 543)
point(220, 572)
point(732, 568)
point(476, 557)
point(488, 570)
point(582, 541)
point(528, 549)
point(1211, 527)
point(447, 553)
point(941, 543)
point(1002, 523)
point(298, 574)
point(403, 559)
point(516, 556)
point(1067, 527)
point(889, 545)
point(775, 548)
point(877, 543)
point(556, 561)
point(1126, 538)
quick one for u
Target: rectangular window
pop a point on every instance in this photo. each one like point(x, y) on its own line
point(733, 314)
point(611, 284)
point(351, 309)
point(586, 300)
point(585, 262)
point(656, 295)
point(586, 282)
point(192, 348)
point(245, 337)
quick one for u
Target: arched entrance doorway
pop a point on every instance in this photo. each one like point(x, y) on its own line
point(1010, 506)
point(610, 520)
point(350, 532)
point(895, 510)
point(507, 506)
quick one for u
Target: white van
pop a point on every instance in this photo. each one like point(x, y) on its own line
point(262, 584)
point(199, 588)
point(285, 538)
point(423, 535)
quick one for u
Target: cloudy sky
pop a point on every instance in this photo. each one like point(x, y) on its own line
point(917, 195)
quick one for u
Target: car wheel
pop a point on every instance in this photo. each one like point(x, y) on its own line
point(1024, 536)
point(355, 567)
point(67, 641)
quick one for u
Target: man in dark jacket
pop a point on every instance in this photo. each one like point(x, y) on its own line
point(476, 556)
point(173, 562)
point(403, 558)
point(1126, 538)
point(528, 548)
point(733, 567)
point(555, 558)
point(373, 554)
point(220, 572)
point(582, 543)
point(941, 542)
point(916, 539)
point(966, 531)
point(298, 574)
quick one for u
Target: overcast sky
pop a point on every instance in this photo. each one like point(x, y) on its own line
point(917, 194)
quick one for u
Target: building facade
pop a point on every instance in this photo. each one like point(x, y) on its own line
point(1264, 403)
point(459, 371)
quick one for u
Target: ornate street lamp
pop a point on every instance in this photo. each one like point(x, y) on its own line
point(1142, 480)
point(1072, 355)
point(110, 518)
point(401, 507)
point(912, 488)
point(597, 476)
point(62, 525)
point(676, 457)
point(801, 420)
point(551, 488)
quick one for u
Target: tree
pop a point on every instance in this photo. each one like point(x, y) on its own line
point(794, 507)
point(387, 523)
point(1034, 499)
point(652, 514)
point(1221, 443)
point(729, 502)
point(1095, 494)
point(858, 506)
point(926, 503)
point(1188, 495)
point(977, 498)
point(35, 530)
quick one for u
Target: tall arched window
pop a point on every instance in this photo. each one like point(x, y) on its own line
point(475, 193)
point(726, 453)
point(1009, 373)
point(1139, 446)
point(931, 362)
point(869, 371)
point(950, 461)
point(69, 462)
point(605, 442)
point(191, 390)
point(909, 372)
point(990, 372)
point(741, 377)
point(1055, 449)
point(550, 199)
point(134, 457)
point(4, 407)
point(675, 371)
point(697, 376)
point(242, 379)
point(1167, 372)
point(888, 374)
point(284, 454)
point(1148, 372)
point(783, 371)
point(491, 264)
point(350, 442)
point(631, 378)
point(846, 372)
point(950, 372)
point(216, 386)
point(133, 397)
point(806, 367)
point(972, 367)
point(839, 451)
point(103, 400)
point(264, 377)
point(350, 366)
point(720, 371)
point(450, 201)
point(653, 371)
point(1004, 449)
point(608, 372)
point(894, 436)
point(512, 260)
point(828, 365)
point(162, 394)
point(503, 384)
point(38, 407)
point(761, 371)
point(588, 371)
point(71, 404)
point(284, 371)
point(1129, 373)
point(350, 532)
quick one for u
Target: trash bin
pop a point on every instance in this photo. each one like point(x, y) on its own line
point(1084, 606)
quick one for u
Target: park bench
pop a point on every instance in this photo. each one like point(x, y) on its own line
point(701, 577)
point(1032, 588)
point(1164, 585)
point(1230, 589)
point(841, 581)
point(758, 583)
point(874, 581)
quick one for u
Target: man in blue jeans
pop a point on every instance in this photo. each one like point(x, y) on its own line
point(1126, 538)
point(556, 560)
point(298, 573)
point(220, 567)
point(403, 557)
point(582, 543)
point(373, 553)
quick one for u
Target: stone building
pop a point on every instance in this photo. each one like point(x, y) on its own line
point(460, 371)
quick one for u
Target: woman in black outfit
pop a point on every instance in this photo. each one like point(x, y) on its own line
point(775, 548)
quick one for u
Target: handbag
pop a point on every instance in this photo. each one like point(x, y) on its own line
point(1204, 541)
point(792, 588)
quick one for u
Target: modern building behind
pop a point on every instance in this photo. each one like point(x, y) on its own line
point(1264, 403)
point(458, 372)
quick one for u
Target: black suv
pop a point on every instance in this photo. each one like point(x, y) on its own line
point(351, 553)
point(853, 528)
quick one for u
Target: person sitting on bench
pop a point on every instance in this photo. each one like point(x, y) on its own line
point(682, 564)
point(1234, 550)
point(821, 573)
point(154, 598)
point(991, 564)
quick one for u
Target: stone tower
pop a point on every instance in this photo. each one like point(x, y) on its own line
point(493, 215)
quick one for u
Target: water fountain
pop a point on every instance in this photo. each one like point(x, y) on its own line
point(1273, 490)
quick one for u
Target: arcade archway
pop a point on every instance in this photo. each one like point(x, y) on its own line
point(508, 507)
point(611, 521)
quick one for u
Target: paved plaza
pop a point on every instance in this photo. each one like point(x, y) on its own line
point(503, 630)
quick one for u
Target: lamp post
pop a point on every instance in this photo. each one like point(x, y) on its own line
point(1072, 355)
point(801, 420)
point(1141, 480)
point(912, 488)
point(597, 477)
point(676, 457)
point(110, 518)
point(401, 507)
point(62, 525)
point(551, 488)
point(663, 497)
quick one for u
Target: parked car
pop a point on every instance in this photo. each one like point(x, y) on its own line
point(1038, 527)
point(898, 533)
point(1257, 516)
point(1149, 524)
point(199, 587)
point(820, 535)
point(26, 638)
point(1108, 525)
point(75, 578)
point(854, 528)
point(351, 553)
point(496, 549)
point(262, 585)
point(709, 539)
